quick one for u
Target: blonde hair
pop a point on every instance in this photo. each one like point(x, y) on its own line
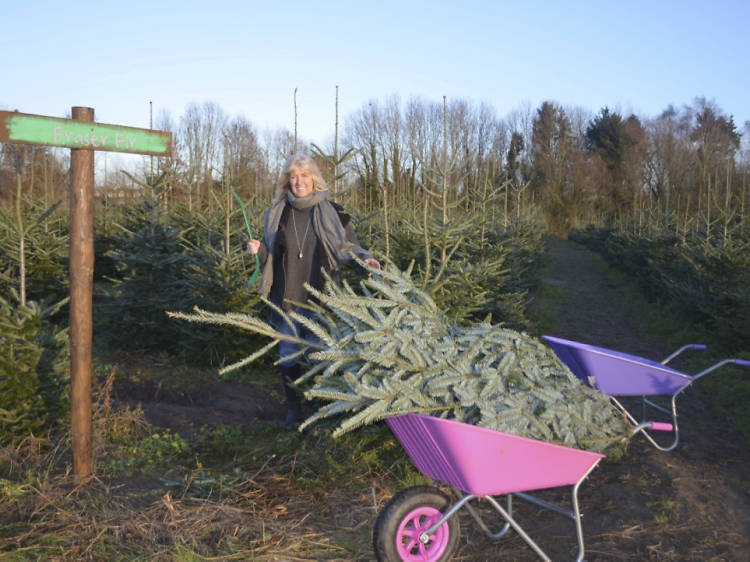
point(301, 162)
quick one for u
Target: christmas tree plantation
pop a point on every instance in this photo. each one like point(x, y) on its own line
point(388, 350)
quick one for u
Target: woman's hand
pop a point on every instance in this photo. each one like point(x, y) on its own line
point(254, 245)
point(372, 262)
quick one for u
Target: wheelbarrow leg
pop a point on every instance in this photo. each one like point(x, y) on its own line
point(518, 529)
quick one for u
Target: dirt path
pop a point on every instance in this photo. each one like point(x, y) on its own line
point(591, 308)
point(692, 503)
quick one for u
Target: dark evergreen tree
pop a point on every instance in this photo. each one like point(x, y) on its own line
point(611, 137)
point(613, 140)
point(34, 368)
point(150, 262)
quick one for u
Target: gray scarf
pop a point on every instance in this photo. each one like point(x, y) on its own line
point(326, 224)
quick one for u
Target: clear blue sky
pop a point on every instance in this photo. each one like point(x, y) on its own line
point(248, 57)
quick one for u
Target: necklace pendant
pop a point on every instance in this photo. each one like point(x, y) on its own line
point(300, 245)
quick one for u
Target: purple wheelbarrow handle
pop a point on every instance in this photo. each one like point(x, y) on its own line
point(743, 362)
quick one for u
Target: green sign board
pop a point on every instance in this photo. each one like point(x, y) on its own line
point(67, 133)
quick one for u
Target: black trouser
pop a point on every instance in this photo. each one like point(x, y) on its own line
point(293, 400)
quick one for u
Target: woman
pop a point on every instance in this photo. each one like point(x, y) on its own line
point(303, 234)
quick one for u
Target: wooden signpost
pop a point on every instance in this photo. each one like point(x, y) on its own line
point(82, 136)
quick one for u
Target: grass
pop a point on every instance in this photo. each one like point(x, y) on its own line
point(663, 510)
point(222, 493)
point(546, 318)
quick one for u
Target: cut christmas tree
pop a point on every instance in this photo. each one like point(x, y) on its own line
point(388, 350)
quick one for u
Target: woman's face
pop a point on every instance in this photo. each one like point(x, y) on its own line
point(300, 182)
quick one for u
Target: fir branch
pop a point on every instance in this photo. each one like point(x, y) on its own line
point(249, 359)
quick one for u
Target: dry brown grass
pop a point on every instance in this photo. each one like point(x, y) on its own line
point(276, 511)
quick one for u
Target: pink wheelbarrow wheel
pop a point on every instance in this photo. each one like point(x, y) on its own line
point(405, 517)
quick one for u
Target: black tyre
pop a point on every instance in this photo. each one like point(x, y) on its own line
point(406, 516)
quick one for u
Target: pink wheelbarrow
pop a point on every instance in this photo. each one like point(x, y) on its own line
point(421, 524)
point(619, 374)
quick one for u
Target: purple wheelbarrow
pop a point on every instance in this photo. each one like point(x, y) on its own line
point(421, 523)
point(619, 374)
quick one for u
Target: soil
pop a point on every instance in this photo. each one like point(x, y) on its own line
point(692, 503)
point(229, 402)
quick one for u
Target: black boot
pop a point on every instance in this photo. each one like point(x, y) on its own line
point(293, 400)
